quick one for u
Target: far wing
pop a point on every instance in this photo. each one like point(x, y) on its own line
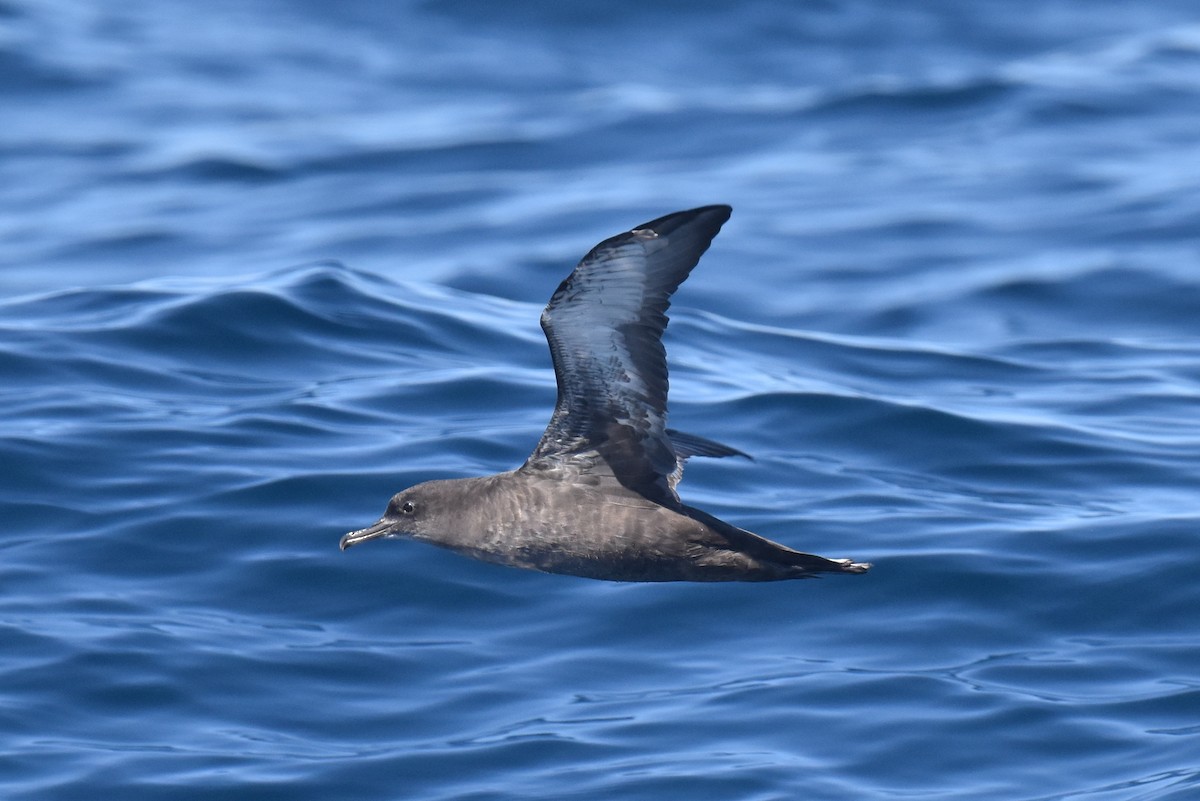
point(605, 326)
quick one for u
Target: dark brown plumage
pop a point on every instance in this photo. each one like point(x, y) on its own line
point(597, 496)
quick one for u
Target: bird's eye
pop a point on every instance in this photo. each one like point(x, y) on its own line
point(408, 508)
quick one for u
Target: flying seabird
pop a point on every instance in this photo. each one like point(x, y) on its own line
point(597, 496)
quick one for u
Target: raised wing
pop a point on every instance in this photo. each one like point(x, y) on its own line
point(604, 325)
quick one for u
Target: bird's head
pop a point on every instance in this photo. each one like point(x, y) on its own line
point(409, 514)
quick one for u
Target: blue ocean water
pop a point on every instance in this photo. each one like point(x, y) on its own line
point(264, 263)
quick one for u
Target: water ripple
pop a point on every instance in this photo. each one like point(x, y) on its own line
point(953, 320)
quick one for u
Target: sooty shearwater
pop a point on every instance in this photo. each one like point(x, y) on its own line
point(597, 496)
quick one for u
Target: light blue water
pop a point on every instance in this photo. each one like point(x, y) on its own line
point(265, 263)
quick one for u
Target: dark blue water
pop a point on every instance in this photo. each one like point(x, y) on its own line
point(264, 263)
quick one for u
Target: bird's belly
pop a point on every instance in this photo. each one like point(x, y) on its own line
point(613, 541)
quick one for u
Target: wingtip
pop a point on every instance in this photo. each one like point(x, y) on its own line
point(724, 210)
point(713, 216)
